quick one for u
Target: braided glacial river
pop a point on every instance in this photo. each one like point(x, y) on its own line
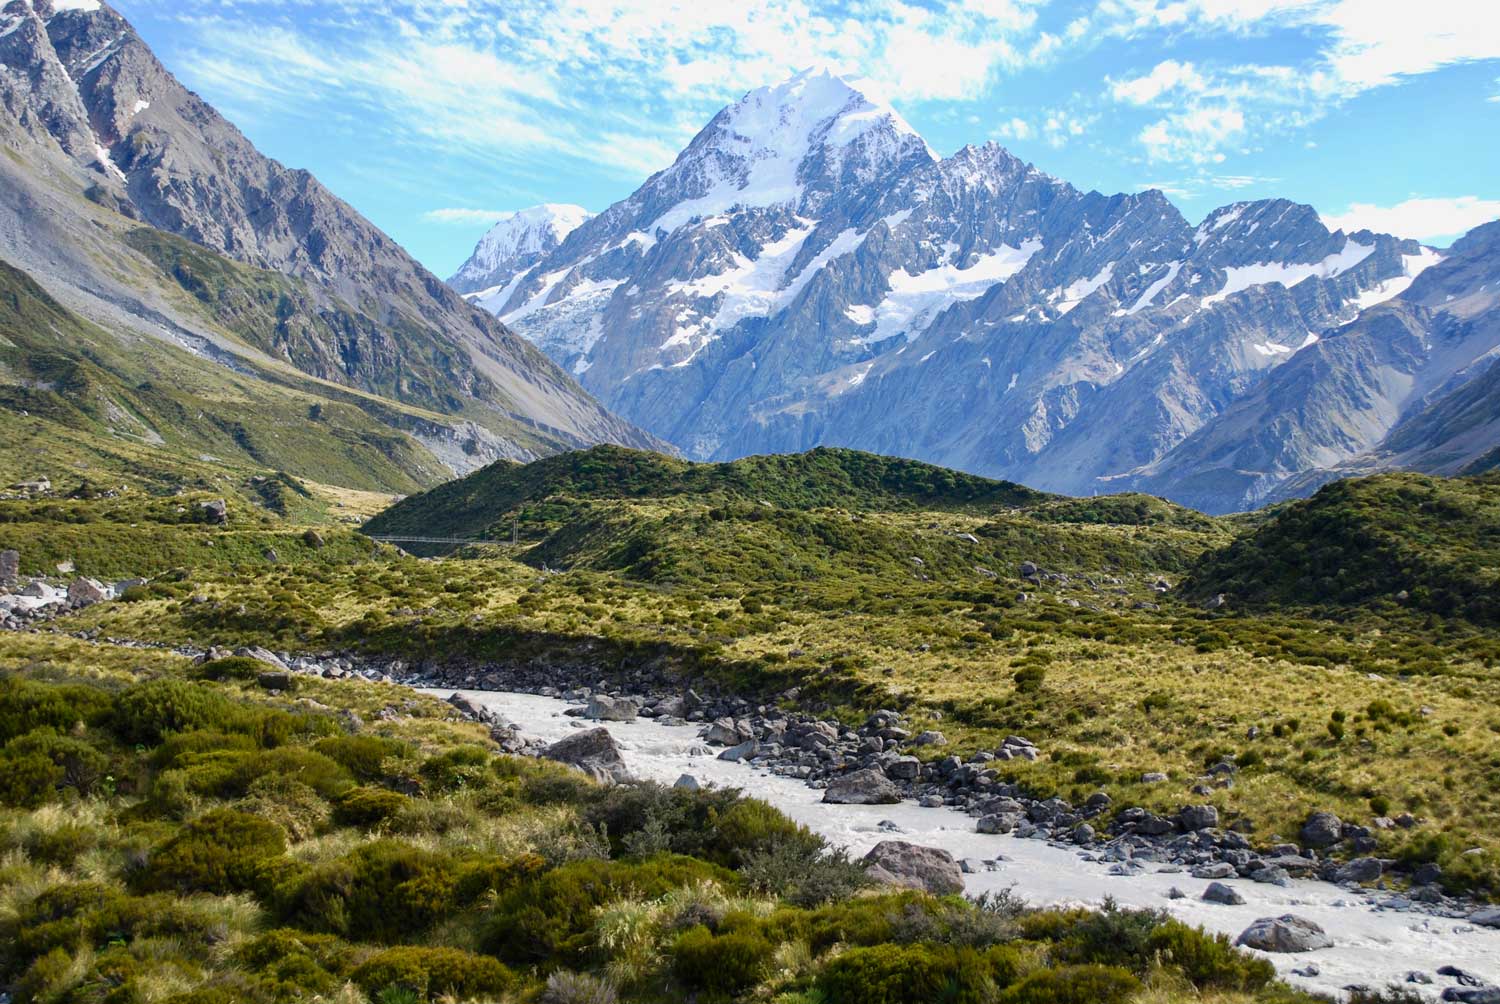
point(1373, 946)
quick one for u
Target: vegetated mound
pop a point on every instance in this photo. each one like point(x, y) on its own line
point(1126, 509)
point(482, 504)
point(1421, 542)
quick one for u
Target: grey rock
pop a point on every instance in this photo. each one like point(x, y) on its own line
point(931, 869)
point(275, 679)
point(743, 751)
point(1218, 892)
point(603, 708)
point(1153, 777)
point(84, 592)
point(1419, 977)
point(1198, 817)
point(1361, 870)
point(998, 822)
point(1285, 934)
point(1472, 995)
point(905, 768)
point(260, 654)
point(1271, 875)
point(215, 511)
point(1486, 917)
point(1322, 829)
point(1216, 870)
point(688, 782)
point(931, 739)
point(10, 567)
point(592, 751)
point(862, 787)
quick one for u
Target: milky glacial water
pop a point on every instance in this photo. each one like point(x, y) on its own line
point(1372, 946)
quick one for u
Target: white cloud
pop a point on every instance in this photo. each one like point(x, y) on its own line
point(1495, 98)
point(464, 217)
point(1016, 128)
point(1168, 75)
point(1369, 43)
point(1196, 135)
point(1429, 219)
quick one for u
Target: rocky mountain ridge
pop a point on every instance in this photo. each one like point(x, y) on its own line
point(109, 154)
point(808, 272)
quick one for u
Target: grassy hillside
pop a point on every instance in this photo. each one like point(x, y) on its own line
point(77, 399)
point(873, 600)
point(547, 492)
point(1392, 541)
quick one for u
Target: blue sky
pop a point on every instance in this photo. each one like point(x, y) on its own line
point(434, 116)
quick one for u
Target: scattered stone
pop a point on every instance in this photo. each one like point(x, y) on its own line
point(1216, 870)
point(1218, 892)
point(725, 732)
point(1198, 817)
point(1462, 976)
point(743, 751)
point(1310, 970)
point(1284, 934)
point(313, 539)
point(931, 739)
point(1271, 875)
point(998, 822)
point(688, 782)
point(1153, 777)
point(270, 555)
point(86, 592)
point(862, 787)
point(1360, 870)
point(275, 679)
point(930, 869)
point(1419, 977)
point(594, 752)
point(1488, 917)
point(602, 708)
point(260, 654)
point(1472, 995)
point(906, 768)
point(216, 512)
point(969, 866)
point(1322, 829)
point(1176, 893)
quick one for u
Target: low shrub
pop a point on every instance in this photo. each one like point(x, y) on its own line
point(221, 852)
point(26, 706)
point(368, 807)
point(1208, 960)
point(148, 712)
point(577, 988)
point(1085, 984)
point(383, 891)
point(721, 967)
point(898, 974)
point(363, 756)
point(433, 972)
point(549, 919)
point(293, 964)
point(83, 766)
point(285, 801)
point(234, 667)
point(455, 769)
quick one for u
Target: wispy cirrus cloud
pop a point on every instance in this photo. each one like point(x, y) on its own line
point(1359, 45)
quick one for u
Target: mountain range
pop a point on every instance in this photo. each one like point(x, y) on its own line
point(222, 306)
point(809, 272)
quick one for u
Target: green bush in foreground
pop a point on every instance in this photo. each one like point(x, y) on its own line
point(897, 974)
point(433, 972)
point(219, 852)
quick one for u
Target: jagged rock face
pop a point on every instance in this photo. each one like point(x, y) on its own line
point(512, 246)
point(85, 99)
point(809, 273)
point(1410, 382)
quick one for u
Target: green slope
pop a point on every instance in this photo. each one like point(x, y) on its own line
point(79, 399)
point(1424, 543)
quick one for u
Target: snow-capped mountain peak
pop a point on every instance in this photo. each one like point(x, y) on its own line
point(785, 145)
point(514, 244)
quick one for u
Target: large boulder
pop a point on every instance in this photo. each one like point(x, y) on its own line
point(1198, 817)
point(1361, 870)
point(603, 708)
point(862, 787)
point(594, 752)
point(1284, 934)
point(1218, 892)
point(215, 511)
point(911, 866)
point(1322, 829)
point(260, 654)
point(1488, 917)
point(86, 592)
point(905, 768)
point(727, 732)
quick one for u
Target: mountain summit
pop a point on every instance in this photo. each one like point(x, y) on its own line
point(808, 272)
point(515, 243)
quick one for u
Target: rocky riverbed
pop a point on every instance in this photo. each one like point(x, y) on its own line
point(1369, 937)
